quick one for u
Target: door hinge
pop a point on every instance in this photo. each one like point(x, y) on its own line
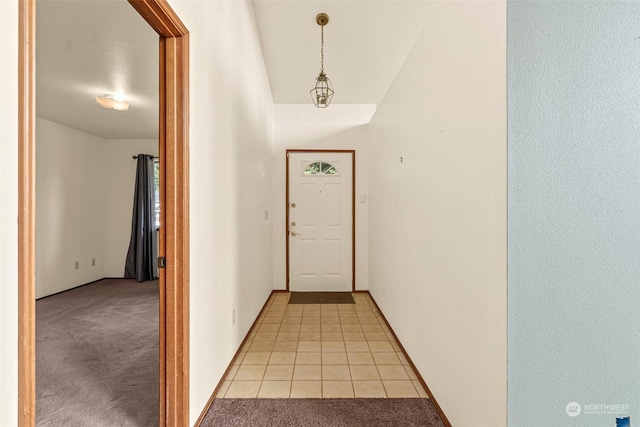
point(162, 262)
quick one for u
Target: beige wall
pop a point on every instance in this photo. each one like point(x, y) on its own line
point(70, 184)
point(8, 211)
point(84, 195)
point(231, 115)
point(438, 216)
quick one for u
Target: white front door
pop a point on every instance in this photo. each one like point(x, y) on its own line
point(320, 221)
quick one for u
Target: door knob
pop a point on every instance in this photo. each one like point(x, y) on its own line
point(294, 234)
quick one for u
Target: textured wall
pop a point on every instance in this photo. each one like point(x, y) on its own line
point(438, 213)
point(231, 116)
point(574, 210)
point(70, 211)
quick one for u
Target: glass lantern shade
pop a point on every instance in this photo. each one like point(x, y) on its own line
point(322, 91)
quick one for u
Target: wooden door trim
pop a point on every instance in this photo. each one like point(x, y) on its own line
point(174, 236)
point(26, 215)
point(353, 208)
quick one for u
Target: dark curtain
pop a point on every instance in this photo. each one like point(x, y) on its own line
point(141, 255)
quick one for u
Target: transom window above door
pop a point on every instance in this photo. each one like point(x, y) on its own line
point(320, 168)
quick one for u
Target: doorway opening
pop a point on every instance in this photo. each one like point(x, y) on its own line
point(320, 220)
point(174, 197)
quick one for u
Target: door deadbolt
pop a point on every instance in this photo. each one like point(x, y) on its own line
point(293, 224)
point(293, 205)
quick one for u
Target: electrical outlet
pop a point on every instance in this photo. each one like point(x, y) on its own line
point(233, 316)
point(93, 262)
point(77, 264)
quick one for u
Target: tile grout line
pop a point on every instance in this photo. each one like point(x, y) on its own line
point(328, 314)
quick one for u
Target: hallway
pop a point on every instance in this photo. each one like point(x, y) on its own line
point(321, 351)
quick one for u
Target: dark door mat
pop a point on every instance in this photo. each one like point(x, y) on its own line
point(410, 412)
point(321, 298)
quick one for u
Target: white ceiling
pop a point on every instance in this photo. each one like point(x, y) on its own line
point(88, 48)
point(366, 43)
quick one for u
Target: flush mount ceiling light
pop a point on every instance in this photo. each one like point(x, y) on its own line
point(112, 103)
point(322, 91)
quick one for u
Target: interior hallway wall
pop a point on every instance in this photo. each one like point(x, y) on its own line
point(9, 211)
point(230, 134)
point(84, 191)
point(342, 127)
point(120, 177)
point(574, 228)
point(70, 210)
point(438, 214)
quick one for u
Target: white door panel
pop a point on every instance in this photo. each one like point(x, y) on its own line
point(320, 222)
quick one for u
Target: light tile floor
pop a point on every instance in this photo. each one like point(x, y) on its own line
point(320, 350)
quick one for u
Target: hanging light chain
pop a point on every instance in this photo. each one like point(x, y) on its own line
point(322, 49)
point(322, 91)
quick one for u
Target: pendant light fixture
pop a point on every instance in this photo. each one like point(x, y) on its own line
point(322, 91)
